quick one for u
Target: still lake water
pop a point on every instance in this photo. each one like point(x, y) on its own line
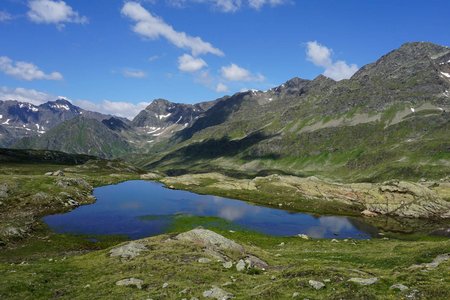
point(140, 209)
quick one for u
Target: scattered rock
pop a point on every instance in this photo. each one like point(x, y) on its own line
point(210, 239)
point(128, 251)
point(303, 236)
point(334, 241)
point(165, 285)
point(131, 282)
point(150, 176)
point(204, 260)
point(400, 287)
point(413, 295)
point(72, 202)
point(368, 213)
point(13, 232)
point(228, 264)
point(78, 182)
point(217, 293)
point(240, 266)
point(55, 173)
point(316, 284)
point(295, 295)
point(281, 244)
point(434, 264)
point(364, 281)
point(256, 262)
point(4, 190)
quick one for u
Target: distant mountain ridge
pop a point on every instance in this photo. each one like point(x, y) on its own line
point(391, 119)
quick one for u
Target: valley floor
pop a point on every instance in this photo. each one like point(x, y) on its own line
point(36, 263)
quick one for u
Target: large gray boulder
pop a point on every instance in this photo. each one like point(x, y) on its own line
point(210, 240)
point(128, 251)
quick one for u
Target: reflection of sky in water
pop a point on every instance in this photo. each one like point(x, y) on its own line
point(119, 209)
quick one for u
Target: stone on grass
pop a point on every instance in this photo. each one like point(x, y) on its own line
point(128, 251)
point(256, 262)
point(316, 284)
point(295, 295)
point(131, 282)
point(303, 236)
point(434, 264)
point(204, 260)
point(165, 285)
point(368, 213)
point(228, 265)
point(240, 266)
point(400, 287)
point(217, 293)
point(209, 239)
point(363, 281)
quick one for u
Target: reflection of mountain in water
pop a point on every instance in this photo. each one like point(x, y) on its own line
point(401, 225)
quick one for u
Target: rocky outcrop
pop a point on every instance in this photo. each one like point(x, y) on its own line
point(392, 198)
point(210, 240)
point(133, 282)
point(434, 264)
point(128, 251)
point(217, 293)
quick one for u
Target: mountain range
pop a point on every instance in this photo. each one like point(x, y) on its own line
point(390, 119)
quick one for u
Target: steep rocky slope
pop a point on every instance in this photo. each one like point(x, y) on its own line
point(391, 119)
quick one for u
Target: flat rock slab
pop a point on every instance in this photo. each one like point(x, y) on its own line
point(217, 293)
point(131, 282)
point(434, 264)
point(400, 287)
point(363, 281)
point(210, 240)
point(128, 251)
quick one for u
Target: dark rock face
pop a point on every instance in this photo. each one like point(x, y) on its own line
point(162, 113)
point(27, 120)
point(79, 135)
point(116, 124)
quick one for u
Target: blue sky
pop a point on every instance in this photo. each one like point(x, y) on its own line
point(116, 56)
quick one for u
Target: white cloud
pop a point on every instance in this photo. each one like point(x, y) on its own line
point(25, 70)
point(134, 74)
point(53, 12)
point(117, 108)
point(154, 58)
point(25, 95)
point(221, 88)
point(190, 64)
point(228, 6)
point(153, 27)
point(235, 73)
point(5, 16)
point(258, 4)
point(322, 56)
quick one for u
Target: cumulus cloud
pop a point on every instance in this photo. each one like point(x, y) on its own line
point(5, 16)
point(25, 95)
point(235, 73)
point(321, 56)
point(53, 12)
point(190, 64)
point(25, 70)
point(221, 88)
point(134, 74)
point(153, 27)
point(228, 6)
point(118, 108)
